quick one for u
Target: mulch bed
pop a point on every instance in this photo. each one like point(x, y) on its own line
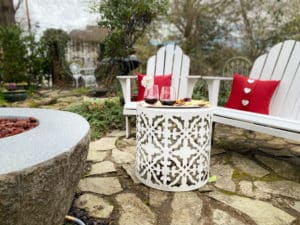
point(10, 127)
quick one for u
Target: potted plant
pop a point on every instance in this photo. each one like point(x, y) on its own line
point(13, 94)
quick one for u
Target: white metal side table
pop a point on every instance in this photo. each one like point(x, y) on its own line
point(173, 147)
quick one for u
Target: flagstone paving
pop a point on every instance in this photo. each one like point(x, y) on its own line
point(250, 189)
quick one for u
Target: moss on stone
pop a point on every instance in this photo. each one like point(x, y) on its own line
point(271, 178)
point(240, 175)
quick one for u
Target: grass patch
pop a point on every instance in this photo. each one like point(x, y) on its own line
point(103, 115)
point(81, 91)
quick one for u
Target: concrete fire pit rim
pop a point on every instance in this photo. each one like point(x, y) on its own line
point(58, 132)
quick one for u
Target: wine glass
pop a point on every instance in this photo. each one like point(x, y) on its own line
point(167, 95)
point(151, 94)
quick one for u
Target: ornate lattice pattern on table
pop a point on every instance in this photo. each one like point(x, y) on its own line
point(173, 148)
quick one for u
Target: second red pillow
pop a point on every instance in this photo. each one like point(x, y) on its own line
point(160, 80)
point(250, 94)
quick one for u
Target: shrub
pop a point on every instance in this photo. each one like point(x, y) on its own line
point(21, 56)
point(103, 115)
point(12, 54)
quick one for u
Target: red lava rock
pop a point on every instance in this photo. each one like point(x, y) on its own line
point(10, 127)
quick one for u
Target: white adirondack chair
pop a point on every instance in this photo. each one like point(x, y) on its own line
point(168, 60)
point(281, 63)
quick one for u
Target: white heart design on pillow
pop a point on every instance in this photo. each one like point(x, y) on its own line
point(245, 102)
point(250, 81)
point(247, 90)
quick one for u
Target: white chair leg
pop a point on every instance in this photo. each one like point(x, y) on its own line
point(127, 120)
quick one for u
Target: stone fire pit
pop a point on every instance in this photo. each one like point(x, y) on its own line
point(40, 168)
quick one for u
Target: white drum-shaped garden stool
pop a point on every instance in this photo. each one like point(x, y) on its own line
point(173, 147)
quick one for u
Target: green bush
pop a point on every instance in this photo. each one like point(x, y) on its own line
point(21, 56)
point(102, 116)
point(12, 54)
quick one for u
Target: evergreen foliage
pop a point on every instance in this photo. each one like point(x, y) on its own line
point(55, 43)
point(12, 55)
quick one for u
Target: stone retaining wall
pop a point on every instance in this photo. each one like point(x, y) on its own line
point(242, 140)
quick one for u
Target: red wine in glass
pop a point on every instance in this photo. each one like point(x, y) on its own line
point(168, 96)
point(150, 100)
point(151, 94)
point(167, 102)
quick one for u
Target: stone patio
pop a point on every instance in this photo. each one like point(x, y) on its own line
point(249, 189)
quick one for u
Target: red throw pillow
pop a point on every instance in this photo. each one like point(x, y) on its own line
point(160, 80)
point(250, 94)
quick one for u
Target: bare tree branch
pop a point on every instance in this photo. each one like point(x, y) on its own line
point(18, 5)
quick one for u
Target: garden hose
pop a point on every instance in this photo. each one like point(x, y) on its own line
point(75, 220)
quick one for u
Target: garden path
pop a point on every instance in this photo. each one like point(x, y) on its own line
point(247, 190)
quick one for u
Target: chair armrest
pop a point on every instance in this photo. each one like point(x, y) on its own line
point(194, 76)
point(213, 84)
point(189, 83)
point(125, 82)
point(123, 77)
point(216, 78)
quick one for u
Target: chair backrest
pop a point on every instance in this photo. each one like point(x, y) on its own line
point(171, 60)
point(237, 64)
point(282, 62)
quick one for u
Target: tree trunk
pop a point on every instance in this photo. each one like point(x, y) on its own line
point(57, 78)
point(7, 13)
point(249, 32)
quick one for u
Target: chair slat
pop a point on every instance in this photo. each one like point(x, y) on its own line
point(270, 63)
point(258, 67)
point(169, 59)
point(160, 61)
point(291, 104)
point(282, 93)
point(185, 68)
point(151, 65)
point(283, 59)
point(176, 73)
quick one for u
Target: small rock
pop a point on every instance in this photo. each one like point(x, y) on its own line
point(186, 209)
point(246, 188)
point(134, 211)
point(130, 141)
point(121, 157)
point(263, 213)
point(102, 167)
point(130, 149)
point(275, 143)
point(284, 188)
point(224, 177)
point(100, 185)
point(103, 144)
point(96, 156)
point(275, 152)
point(221, 217)
point(96, 206)
point(292, 141)
point(248, 166)
point(280, 167)
point(130, 170)
point(206, 188)
point(157, 198)
point(216, 151)
point(295, 150)
point(296, 206)
point(117, 133)
point(264, 137)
